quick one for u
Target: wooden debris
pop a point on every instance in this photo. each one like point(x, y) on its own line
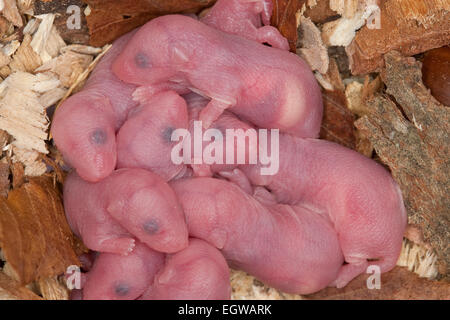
point(53, 289)
point(109, 19)
point(354, 13)
point(46, 40)
point(284, 17)
point(436, 73)
point(398, 284)
point(246, 287)
point(11, 12)
point(4, 178)
point(409, 26)
point(320, 12)
point(68, 66)
point(21, 113)
point(311, 47)
point(414, 143)
point(418, 259)
point(34, 235)
point(12, 290)
point(70, 20)
point(25, 59)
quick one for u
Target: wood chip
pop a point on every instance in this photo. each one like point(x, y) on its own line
point(53, 289)
point(321, 12)
point(414, 143)
point(342, 31)
point(34, 235)
point(4, 178)
point(46, 41)
point(311, 47)
point(408, 26)
point(21, 113)
point(69, 21)
point(68, 66)
point(246, 287)
point(12, 290)
point(25, 59)
point(11, 12)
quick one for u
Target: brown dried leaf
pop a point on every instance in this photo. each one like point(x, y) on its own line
point(409, 26)
point(34, 235)
point(12, 290)
point(284, 18)
point(398, 284)
point(414, 142)
point(109, 19)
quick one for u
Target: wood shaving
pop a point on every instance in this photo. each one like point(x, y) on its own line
point(312, 48)
point(342, 31)
point(11, 12)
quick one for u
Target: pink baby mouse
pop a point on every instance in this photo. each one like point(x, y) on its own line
point(118, 277)
point(246, 18)
point(84, 126)
point(269, 87)
point(198, 272)
point(288, 247)
point(144, 141)
point(357, 195)
point(129, 203)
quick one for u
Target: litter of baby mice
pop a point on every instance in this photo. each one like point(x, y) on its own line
point(319, 219)
point(197, 156)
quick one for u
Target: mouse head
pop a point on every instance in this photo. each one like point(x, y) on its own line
point(144, 59)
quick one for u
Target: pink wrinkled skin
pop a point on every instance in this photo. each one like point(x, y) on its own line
point(358, 196)
point(198, 272)
point(118, 277)
point(144, 141)
point(84, 126)
point(108, 215)
point(288, 247)
point(246, 18)
point(269, 87)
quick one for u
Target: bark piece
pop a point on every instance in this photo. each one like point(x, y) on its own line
point(4, 178)
point(34, 235)
point(409, 26)
point(398, 284)
point(109, 19)
point(411, 136)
